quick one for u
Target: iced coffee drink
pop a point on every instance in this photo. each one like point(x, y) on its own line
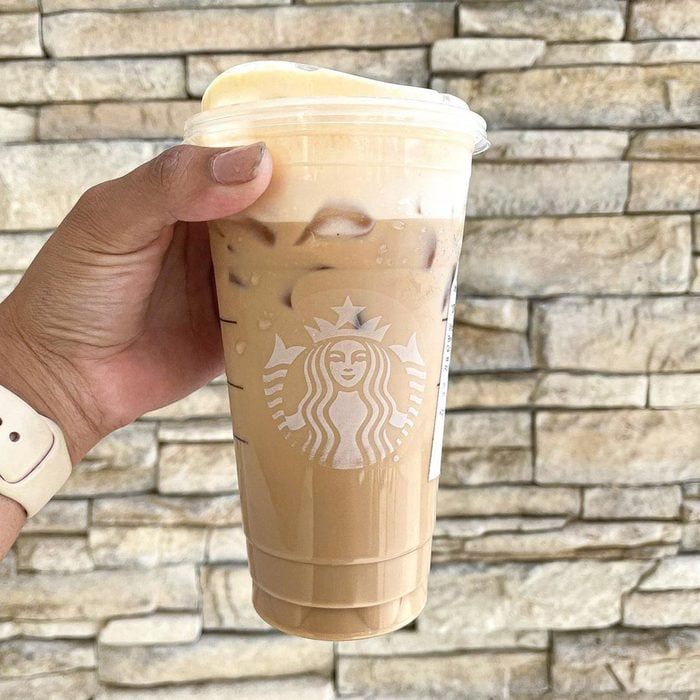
point(335, 294)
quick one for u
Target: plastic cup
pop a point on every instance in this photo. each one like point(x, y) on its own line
point(336, 294)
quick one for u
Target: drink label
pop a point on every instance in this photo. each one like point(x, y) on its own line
point(438, 434)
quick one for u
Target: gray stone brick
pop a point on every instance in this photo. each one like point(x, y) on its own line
point(31, 82)
point(605, 254)
point(180, 31)
point(601, 96)
point(552, 188)
point(551, 20)
point(618, 335)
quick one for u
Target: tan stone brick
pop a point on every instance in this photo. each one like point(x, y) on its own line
point(307, 687)
point(584, 96)
point(161, 628)
point(20, 658)
point(196, 430)
point(180, 31)
point(115, 120)
point(59, 517)
point(473, 55)
point(124, 462)
point(210, 401)
point(674, 390)
point(555, 144)
point(487, 429)
point(490, 334)
point(17, 250)
point(144, 547)
point(56, 629)
point(618, 335)
point(656, 661)
point(617, 447)
point(500, 314)
point(584, 255)
point(160, 510)
point(423, 641)
point(479, 675)
point(18, 5)
point(671, 144)
point(214, 657)
point(547, 188)
point(406, 66)
point(476, 348)
point(662, 609)
point(651, 502)
point(19, 35)
point(486, 466)
point(30, 82)
point(226, 544)
point(623, 540)
point(621, 52)
point(454, 537)
point(507, 500)
point(653, 19)
point(664, 187)
point(62, 172)
point(192, 468)
point(554, 595)
point(690, 541)
point(53, 554)
point(560, 389)
point(561, 20)
point(17, 125)
point(99, 594)
point(695, 286)
point(490, 390)
point(675, 573)
point(64, 5)
point(227, 602)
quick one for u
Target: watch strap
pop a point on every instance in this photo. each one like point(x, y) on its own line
point(34, 459)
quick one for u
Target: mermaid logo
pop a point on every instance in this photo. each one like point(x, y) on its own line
point(346, 416)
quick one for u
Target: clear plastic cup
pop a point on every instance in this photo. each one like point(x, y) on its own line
point(336, 294)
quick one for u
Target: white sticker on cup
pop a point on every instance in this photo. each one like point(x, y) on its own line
point(438, 433)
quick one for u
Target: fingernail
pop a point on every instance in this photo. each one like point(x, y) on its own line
point(238, 165)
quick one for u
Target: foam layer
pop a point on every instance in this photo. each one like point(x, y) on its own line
point(389, 159)
point(267, 80)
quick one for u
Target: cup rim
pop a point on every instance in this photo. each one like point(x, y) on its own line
point(450, 116)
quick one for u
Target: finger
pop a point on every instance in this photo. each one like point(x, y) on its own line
point(185, 183)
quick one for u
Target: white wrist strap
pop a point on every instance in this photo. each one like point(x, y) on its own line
point(34, 459)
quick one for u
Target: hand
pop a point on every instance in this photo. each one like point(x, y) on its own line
point(117, 314)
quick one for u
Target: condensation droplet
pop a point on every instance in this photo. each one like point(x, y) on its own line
point(399, 225)
point(240, 347)
point(396, 458)
point(264, 324)
point(383, 248)
point(380, 260)
point(255, 279)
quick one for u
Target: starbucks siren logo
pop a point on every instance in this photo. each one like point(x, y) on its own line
point(347, 417)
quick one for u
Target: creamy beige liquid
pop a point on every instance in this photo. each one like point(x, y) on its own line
point(334, 331)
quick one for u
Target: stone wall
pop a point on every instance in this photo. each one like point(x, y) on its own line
point(567, 551)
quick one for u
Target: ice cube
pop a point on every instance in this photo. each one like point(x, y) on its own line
point(337, 222)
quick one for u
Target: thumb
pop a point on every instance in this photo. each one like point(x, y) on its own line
point(184, 183)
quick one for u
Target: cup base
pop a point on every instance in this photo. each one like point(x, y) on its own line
point(339, 624)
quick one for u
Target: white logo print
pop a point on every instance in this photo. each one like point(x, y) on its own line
point(345, 415)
